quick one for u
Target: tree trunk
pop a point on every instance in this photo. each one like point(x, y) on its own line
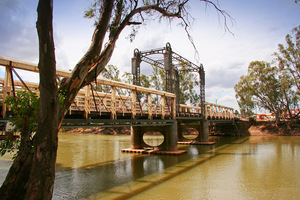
point(32, 174)
point(277, 117)
point(14, 186)
point(20, 170)
point(292, 122)
point(40, 183)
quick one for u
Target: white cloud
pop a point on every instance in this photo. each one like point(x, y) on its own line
point(18, 35)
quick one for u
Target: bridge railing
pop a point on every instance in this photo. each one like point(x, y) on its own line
point(212, 111)
point(138, 102)
point(189, 111)
point(117, 104)
point(219, 112)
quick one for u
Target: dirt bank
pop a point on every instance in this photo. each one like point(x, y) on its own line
point(272, 129)
point(260, 128)
point(100, 130)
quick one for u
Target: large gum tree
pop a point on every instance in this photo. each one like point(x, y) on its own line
point(32, 173)
point(260, 87)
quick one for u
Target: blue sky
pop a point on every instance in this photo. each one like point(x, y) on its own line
point(258, 27)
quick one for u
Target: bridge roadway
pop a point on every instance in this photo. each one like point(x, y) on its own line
point(122, 105)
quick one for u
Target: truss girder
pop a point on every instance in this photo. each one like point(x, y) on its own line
point(158, 63)
point(172, 64)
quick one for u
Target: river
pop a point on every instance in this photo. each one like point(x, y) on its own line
point(256, 167)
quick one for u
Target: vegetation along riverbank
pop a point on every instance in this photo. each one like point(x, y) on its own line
point(257, 128)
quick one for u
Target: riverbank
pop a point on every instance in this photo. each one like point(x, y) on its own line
point(258, 129)
point(271, 129)
point(100, 130)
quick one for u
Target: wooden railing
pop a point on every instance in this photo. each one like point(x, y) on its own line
point(139, 101)
point(215, 111)
point(121, 100)
point(212, 111)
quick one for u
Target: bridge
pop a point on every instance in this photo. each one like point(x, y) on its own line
point(123, 104)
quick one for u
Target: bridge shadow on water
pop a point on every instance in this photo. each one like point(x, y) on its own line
point(125, 177)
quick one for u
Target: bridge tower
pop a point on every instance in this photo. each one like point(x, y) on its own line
point(172, 83)
point(136, 67)
point(172, 75)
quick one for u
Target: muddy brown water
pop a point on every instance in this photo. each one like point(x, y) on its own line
point(256, 167)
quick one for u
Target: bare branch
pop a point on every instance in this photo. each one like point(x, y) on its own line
point(135, 23)
point(223, 13)
point(167, 9)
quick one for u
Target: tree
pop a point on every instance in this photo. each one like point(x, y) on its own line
point(288, 59)
point(260, 87)
point(187, 93)
point(110, 72)
point(273, 88)
point(187, 80)
point(290, 96)
point(32, 173)
point(157, 80)
point(289, 56)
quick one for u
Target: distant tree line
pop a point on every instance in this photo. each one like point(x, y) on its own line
point(157, 80)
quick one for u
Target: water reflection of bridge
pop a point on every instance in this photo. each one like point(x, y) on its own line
point(141, 108)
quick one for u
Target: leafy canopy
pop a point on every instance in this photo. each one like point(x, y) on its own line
point(260, 87)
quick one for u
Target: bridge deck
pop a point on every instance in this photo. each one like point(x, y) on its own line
point(122, 103)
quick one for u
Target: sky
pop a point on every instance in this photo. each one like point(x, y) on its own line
point(256, 29)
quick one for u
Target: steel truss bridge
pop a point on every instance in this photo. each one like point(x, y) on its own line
point(124, 104)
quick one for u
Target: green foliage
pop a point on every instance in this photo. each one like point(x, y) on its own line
point(25, 104)
point(188, 81)
point(89, 13)
point(93, 11)
point(145, 81)
point(61, 98)
point(236, 112)
point(158, 78)
point(288, 57)
point(25, 108)
point(9, 145)
point(275, 88)
point(127, 78)
point(111, 72)
point(260, 87)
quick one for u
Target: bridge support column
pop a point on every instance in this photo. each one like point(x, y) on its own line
point(202, 138)
point(137, 141)
point(204, 131)
point(171, 138)
point(179, 132)
point(168, 147)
